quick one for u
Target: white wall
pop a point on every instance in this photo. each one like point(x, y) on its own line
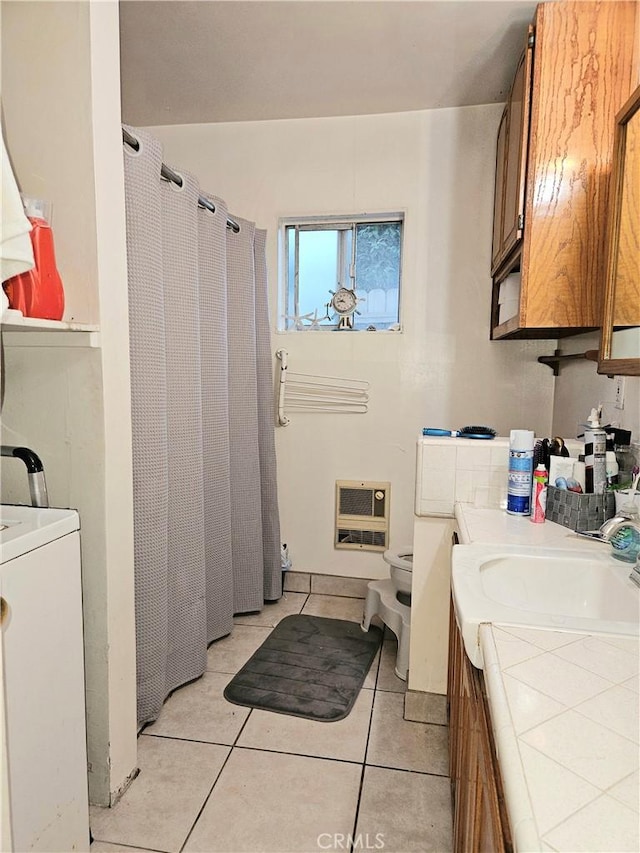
point(61, 110)
point(442, 370)
point(579, 388)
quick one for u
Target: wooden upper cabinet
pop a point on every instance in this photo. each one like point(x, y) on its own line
point(620, 338)
point(511, 161)
point(626, 282)
point(582, 70)
point(498, 203)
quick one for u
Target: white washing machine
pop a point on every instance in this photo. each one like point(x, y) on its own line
point(44, 749)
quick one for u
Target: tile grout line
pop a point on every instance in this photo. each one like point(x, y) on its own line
point(364, 759)
point(206, 800)
point(549, 695)
point(593, 784)
point(215, 781)
point(218, 775)
point(296, 754)
point(556, 714)
point(414, 772)
point(128, 846)
point(357, 811)
point(236, 746)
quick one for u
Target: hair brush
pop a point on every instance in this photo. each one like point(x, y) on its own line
point(465, 432)
point(476, 432)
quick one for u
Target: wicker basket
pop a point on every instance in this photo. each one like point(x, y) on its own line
point(579, 512)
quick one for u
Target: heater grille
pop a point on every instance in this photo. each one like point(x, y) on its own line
point(363, 501)
point(362, 538)
point(362, 515)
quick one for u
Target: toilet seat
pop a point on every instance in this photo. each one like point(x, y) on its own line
point(401, 566)
point(401, 559)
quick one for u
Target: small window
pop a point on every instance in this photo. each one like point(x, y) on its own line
point(341, 273)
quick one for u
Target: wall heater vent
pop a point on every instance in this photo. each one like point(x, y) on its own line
point(362, 515)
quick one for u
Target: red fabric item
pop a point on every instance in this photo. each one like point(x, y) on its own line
point(38, 292)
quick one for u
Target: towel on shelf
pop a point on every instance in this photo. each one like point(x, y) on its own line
point(16, 251)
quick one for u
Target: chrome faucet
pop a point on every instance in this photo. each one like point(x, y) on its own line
point(609, 529)
point(35, 472)
point(613, 525)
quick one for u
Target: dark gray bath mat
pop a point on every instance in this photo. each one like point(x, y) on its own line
point(307, 667)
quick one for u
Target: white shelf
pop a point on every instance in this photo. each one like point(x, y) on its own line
point(19, 331)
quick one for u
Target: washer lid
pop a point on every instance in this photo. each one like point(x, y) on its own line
point(24, 528)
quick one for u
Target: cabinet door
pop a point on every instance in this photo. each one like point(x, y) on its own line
point(466, 805)
point(480, 822)
point(491, 825)
point(498, 199)
point(516, 152)
point(45, 700)
point(453, 692)
point(585, 64)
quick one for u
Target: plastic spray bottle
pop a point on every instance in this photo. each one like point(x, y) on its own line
point(539, 496)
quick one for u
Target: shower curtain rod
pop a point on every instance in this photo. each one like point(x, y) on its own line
point(169, 175)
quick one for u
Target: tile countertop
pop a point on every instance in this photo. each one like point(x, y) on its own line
point(565, 714)
point(496, 527)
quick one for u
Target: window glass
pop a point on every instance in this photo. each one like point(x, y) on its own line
point(362, 256)
point(317, 269)
point(378, 273)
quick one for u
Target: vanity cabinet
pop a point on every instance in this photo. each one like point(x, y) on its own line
point(554, 153)
point(479, 814)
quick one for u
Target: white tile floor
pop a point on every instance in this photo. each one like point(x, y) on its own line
point(220, 778)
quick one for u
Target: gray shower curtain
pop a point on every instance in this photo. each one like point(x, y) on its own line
point(206, 524)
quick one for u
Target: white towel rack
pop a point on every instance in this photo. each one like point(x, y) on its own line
point(308, 392)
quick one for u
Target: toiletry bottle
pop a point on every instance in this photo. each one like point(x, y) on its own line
point(539, 496)
point(624, 456)
point(595, 448)
point(39, 291)
point(579, 472)
point(520, 472)
point(611, 463)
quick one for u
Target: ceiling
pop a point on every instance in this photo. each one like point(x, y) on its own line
point(201, 61)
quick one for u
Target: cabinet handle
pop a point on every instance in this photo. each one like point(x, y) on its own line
point(4, 610)
point(454, 538)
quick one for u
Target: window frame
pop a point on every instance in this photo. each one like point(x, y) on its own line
point(329, 222)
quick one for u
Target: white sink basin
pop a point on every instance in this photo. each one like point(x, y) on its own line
point(554, 588)
point(561, 586)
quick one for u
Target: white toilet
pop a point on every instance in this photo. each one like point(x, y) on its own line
point(390, 600)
